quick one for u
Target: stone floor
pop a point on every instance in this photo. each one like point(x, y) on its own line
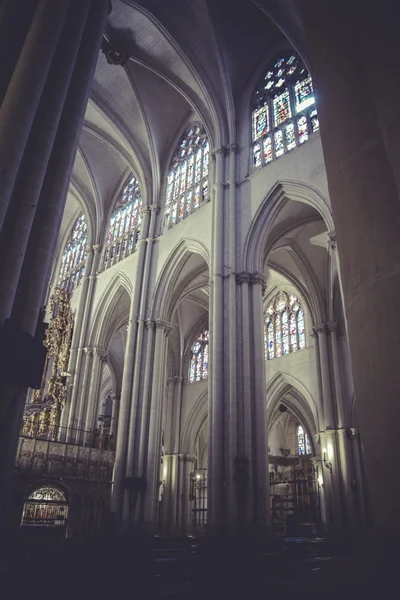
point(203, 568)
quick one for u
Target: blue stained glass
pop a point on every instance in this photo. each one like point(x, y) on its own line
point(190, 168)
point(284, 331)
point(257, 155)
point(71, 269)
point(198, 366)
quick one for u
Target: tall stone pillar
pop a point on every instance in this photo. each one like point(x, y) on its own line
point(116, 400)
point(41, 113)
point(127, 381)
point(358, 128)
point(100, 358)
point(216, 400)
point(153, 461)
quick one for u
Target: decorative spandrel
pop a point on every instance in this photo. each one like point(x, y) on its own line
point(284, 326)
point(42, 415)
point(283, 108)
point(73, 258)
point(49, 494)
point(187, 183)
point(198, 365)
point(125, 222)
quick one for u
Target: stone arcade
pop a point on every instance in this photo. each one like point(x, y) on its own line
point(208, 208)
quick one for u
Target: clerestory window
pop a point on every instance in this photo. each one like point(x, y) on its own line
point(284, 114)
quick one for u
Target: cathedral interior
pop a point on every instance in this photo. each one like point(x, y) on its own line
point(199, 243)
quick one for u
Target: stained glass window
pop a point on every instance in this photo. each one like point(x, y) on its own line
point(198, 365)
point(187, 184)
point(73, 259)
point(123, 234)
point(303, 442)
point(283, 109)
point(284, 326)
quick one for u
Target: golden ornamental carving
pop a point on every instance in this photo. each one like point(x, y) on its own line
point(42, 415)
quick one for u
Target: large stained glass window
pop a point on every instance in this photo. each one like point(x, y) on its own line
point(283, 109)
point(125, 222)
point(198, 366)
point(303, 442)
point(187, 183)
point(284, 326)
point(73, 258)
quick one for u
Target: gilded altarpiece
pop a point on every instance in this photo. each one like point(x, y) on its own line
point(43, 412)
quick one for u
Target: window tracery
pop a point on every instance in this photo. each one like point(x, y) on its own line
point(198, 366)
point(284, 326)
point(187, 184)
point(303, 442)
point(125, 222)
point(73, 259)
point(283, 109)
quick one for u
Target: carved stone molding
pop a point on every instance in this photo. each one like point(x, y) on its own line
point(258, 279)
point(102, 355)
point(146, 210)
point(115, 56)
point(323, 328)
point(97, 248)
point(219, 150)
point(332, 242)
point(160, 324)
point(243, 277)
point(332, 327)
point(88, 351)
point(232, 148)
point(150, 324)
point(154, 208)
point(187, 458)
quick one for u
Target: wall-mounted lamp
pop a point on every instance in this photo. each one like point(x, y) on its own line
point(327, 464)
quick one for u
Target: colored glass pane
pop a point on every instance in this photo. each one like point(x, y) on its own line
point(189, 170)
point(304, 94)
point(278, 336)
point(257, 155)
point(260, 122)
point(198, 365)
point(279, 147)
point(284, 326)
point(303, 129)
point(290, 137)
point(271, 341)
point(301, 447)
point(282, 109)
point(71, 269)
point(314, 120)
point(293, 333)
point(308, 445)
point(267, 147)
point(300, 328)
point(285, 332)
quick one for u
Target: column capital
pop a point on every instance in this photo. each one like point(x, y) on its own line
point(187, 458)
point(320, 329)
point(154, 208)
point(115, 397)
point(231, 147)
point(332, 327)
point(101, 354)
point(258, 279)
point(97, 248)
point(243, 277)
point(88, 351)
point(146, 210)
point(160, 324)
point(150, 324)
point(219, 150)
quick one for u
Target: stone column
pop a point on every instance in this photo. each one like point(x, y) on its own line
point(145, 411)
point(77, 435)
point(79, 338)
point(361, 158)
point(150, 498)
point(116, 400)
point(126, 389)
point(322, 332)
point(341, 417)
point(100, 358)
point(260, 469)
point(216, 396)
